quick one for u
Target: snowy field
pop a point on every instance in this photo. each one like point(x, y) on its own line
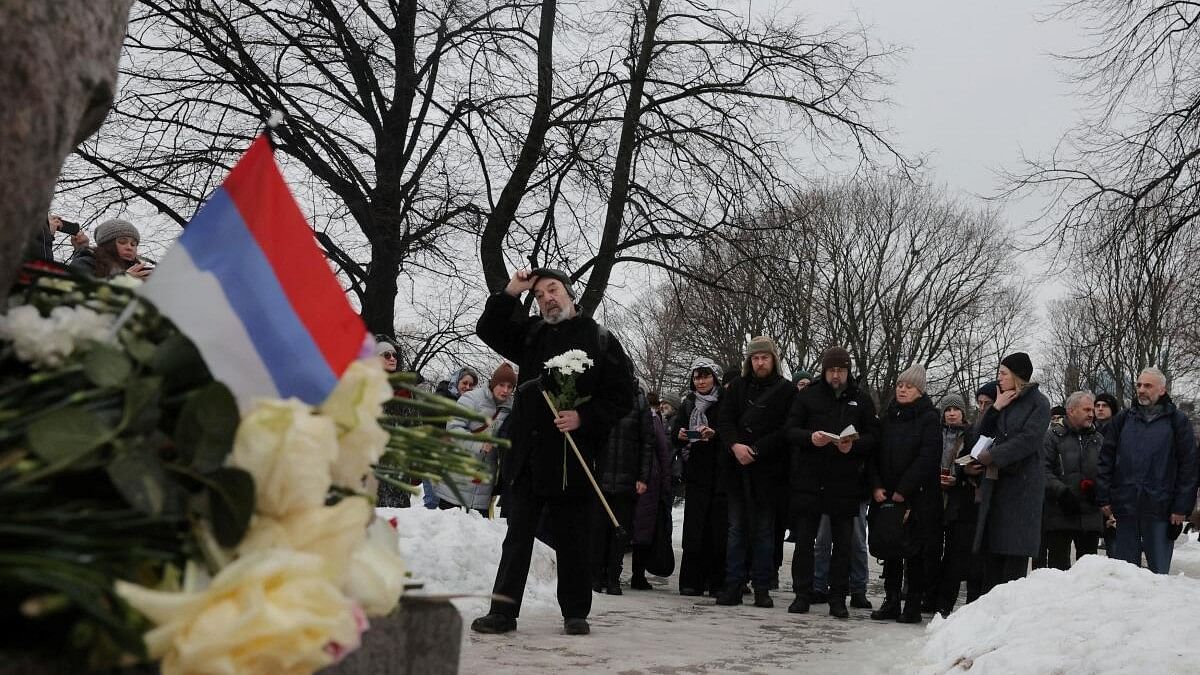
point(1101, 617)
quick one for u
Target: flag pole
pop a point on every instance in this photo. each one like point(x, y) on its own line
point(579, 455)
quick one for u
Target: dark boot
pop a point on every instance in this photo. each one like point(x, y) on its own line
point(576, 626)
point(911, 613)
point(799, 605)
point(888, 611)
point(860, 601)
point(730, 595)
point(639, 583)
point(598, 586)
point(494, 623)
point(762, 598)
point(614, 587)
point(837, 607)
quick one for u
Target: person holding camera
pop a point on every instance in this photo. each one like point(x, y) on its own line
point(115, 253)
point(41, 245)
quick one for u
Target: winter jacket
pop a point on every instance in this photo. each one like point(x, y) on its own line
point(1070, 459)
point(1010, 515)
point(620, 465)
point(701, 466)
point(539, 451)
point(753, 412)
point(1147, 464)
point(652, 504)
point(41, 244)
point(476, 494)
point(825, 480)
point(960, 506)
point(84, 262)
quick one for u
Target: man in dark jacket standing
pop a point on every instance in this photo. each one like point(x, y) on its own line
point(753, 468)
point(618, 472)
point(1147, 474)
point(1070, 514)
point(826, 475)
point(540, 473)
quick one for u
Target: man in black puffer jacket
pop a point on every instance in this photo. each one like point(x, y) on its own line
point(753, 468)
point(827, 476)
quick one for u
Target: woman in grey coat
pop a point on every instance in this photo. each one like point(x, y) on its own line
point(1014, 486)
point(493, 402)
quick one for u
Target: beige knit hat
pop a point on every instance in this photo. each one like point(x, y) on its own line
point(915, 376)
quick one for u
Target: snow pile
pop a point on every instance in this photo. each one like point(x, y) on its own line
point(1186, 559)
point(457, 552)
point(1102, 616)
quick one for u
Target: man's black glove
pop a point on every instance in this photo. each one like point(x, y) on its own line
point(1068, 503)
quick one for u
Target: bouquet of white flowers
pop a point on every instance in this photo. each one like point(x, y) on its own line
point(562, 370)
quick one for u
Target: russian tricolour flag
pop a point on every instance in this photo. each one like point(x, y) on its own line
point(247, 283)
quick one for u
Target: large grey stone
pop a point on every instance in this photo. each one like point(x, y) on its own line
point(423, 638)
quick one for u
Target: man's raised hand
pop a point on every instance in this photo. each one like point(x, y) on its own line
point(521, 281)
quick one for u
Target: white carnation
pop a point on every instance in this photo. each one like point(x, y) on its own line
point(573, 361)
point(48, 341)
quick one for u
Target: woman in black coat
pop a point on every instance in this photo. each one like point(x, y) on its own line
point(905, 471)
point(705, 516)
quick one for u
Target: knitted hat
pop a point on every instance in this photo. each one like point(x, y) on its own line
point(1019, 364)
point(1058, 411)
point(801, 375)
point(914, 376)
point(706, 364)
point(952, 401)
point(990, 390)
point(552, 273)
point(835, 357)
point(111, 230)
point(382, 348)
point(759, 345)
point(503, 375)
point(1111, 400)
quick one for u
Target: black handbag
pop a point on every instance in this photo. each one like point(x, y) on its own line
point(661, 561)
point(891, 531)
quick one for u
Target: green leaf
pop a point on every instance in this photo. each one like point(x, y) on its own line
point(106, 365)
point(179, 362)
point(142, 404)
point(230, 504)
point(141, 350)
point(206, 427)
point(139, 476)
point(67, 434)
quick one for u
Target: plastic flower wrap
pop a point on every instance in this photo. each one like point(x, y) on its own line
point(356, 405)
point(271, 612)
point(289, 452)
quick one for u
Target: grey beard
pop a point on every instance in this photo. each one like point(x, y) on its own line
point(555, 316)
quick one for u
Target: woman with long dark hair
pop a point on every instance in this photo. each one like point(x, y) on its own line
point(116, 253)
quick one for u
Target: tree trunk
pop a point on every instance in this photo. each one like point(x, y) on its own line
point(615, 214)
point(379, 301)
point(491, 243)
point(58, 75)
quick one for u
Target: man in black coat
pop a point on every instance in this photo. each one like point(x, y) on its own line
point(753, 468)
point(1070, 514)
point(826, 475)
point(619, 472)
point(540, 472)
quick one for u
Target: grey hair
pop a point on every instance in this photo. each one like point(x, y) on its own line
point(1077, 398)
point(1151, 370)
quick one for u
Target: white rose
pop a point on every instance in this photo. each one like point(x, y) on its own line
point(289, 452)
point(331, 532)
point(356, 405)
point(271, 613)
point(376, 577)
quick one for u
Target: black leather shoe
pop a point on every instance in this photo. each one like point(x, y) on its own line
point(730, 595)
point(598, 586)
point(911, 613)
point(888, 611)
point(494, 623)
point(576, 626)
point(762, 598)
point(690, 591)
point(640, 584)
point(818, 598)
point(798, 606)
point(614, 588)
point(837, 608)
point(860, 601)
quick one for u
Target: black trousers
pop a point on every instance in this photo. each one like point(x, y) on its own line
point(841, 531)
point(1058, 546)
point(705, 536)
point(931, 560)
point(568, 519)
point(959, 564)
point(1001, 569)
point(894, 573)
point(608, 550)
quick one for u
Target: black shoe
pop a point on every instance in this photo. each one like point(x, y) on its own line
point(818, 598)
point(614, 588)
point(888, 611)
point(640, 584)
point(762, 598)
point(799, 605)
point(837, 608)
point(860, 601)
point(689, 591)
point(730, 595)
point(911, 613)
point(598, 586)
point(576, 626)
point(494, 623)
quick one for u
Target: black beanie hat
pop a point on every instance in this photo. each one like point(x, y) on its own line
point(1019, 364)
point(835, 357)
point(989, 390)
point(1110, 400)
point(561, 276)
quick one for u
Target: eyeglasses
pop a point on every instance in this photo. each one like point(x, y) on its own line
point(388, 355)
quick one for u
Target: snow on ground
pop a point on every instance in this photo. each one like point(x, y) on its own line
point(1101, 616)
point(455, 551)
point(1186, 558)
